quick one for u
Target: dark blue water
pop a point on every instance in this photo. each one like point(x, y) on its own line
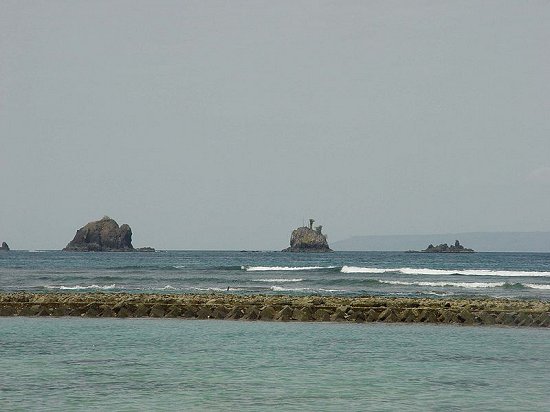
point(510, 275)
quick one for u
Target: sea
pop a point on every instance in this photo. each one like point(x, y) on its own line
point(399, 274)
point(210, 365)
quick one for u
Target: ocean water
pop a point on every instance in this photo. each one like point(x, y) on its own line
point(175, 364)
point(506, 275)
point(170, 364)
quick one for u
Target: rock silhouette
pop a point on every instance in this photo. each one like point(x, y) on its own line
point(102, 236)
point(306, 239)
point(444, 248)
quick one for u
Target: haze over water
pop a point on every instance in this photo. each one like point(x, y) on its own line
point(223, 125)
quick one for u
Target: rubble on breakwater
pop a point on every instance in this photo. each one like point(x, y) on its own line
point(280, 308)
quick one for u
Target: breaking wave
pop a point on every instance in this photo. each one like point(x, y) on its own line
point(427, 271)
point(469, 285)
point(309, 290)
point(168, 287)
point(536, 286)
point(282, 289)
point(356, 269)
point(79, 287)
point(278, 280)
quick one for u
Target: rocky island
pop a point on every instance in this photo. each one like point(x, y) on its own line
point(444, 248)
point(4, 247)
point(308, 239)
point(103, 236)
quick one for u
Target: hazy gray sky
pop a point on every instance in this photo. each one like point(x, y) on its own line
point(223, 124)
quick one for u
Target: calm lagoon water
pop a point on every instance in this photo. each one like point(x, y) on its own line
point(171, 364)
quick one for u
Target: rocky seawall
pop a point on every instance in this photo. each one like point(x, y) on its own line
point(280, 308)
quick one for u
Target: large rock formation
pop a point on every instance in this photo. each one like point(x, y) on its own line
point(102, 236)
point(4, 247)
point(444, 248)
point(306, 239)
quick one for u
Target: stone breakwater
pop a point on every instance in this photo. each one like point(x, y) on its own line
point(280, 308)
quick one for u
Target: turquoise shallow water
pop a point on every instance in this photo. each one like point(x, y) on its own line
point(146, 364)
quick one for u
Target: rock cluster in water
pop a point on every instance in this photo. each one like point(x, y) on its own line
point(102, 236)
point(4, 247)
point(280, 308)
point(307, 239)
point(444, 248)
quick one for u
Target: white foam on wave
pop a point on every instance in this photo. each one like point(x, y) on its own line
point(323, 290)
point(282, 289)
point(473, 272)
point(537, 286)
point(443, 272)
point(79, 287)
point(168, 287)
point(439, 293)
point(426, 271)
point(283, 268)
point(356, 269)
point(332, 290)
point(278, 280)
point(468, 285)
point(211, 289)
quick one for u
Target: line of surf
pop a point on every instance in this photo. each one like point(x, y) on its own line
point(80, 287)
point(443, 272)
point(299, 290)
point(282, 280)
point(468, 285)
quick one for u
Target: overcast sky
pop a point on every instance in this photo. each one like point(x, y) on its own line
point(224, 124)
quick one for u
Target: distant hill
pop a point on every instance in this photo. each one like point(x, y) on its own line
point(479, 241)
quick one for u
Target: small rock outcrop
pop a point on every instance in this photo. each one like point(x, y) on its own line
point(145, 249)
point(444, 248)
point(4, 247)
point(307, 239)
point(102, 236)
